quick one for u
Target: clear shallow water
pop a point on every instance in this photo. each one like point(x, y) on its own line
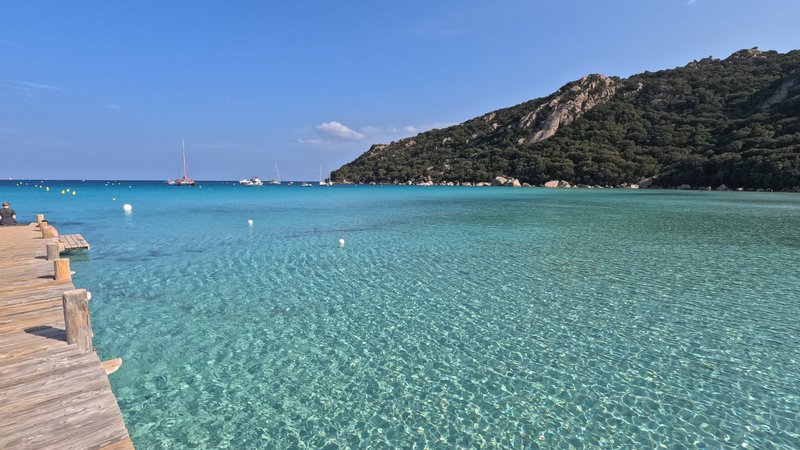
point(453, 317)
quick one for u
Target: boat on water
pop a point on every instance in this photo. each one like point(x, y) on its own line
point(255, 181)
point(184, 180)
point(326, 181)
point(276, 180)
point(321, 181)
point(304, 184)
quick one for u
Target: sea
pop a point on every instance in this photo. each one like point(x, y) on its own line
point(452, 317)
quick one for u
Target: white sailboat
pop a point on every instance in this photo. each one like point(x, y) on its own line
point(185, 180)
point(325, 181)
point(276, 180)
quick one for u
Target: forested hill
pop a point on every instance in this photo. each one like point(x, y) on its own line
point(734, 121)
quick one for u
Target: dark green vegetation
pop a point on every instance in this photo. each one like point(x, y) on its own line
point(734, 121)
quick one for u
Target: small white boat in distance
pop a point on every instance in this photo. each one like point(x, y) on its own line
point(185, 180)
point(255, 181)
point(325, 181)
point(304, 184)
point(276, 180)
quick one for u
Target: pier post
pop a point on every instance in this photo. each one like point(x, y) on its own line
point(76, 319)
point(52, 251)
point(61, 269)
point(49, 231)
point(39, 218)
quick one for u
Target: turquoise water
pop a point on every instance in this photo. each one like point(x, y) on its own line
point(453, 317)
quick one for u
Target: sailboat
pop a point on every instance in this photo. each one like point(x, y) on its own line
point(276, 180)
point(185, 180)
point(325, 181)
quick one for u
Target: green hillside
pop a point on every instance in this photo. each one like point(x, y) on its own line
point(734, 121)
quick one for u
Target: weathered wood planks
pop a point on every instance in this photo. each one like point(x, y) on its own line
point(52, 395)
point(73, 241)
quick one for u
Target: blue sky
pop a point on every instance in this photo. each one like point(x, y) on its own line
point(108, 89)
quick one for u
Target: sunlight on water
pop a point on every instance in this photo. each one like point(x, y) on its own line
point(453, 317)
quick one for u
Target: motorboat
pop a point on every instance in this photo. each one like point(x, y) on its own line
point(255, 181)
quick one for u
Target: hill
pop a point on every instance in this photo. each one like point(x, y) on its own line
point(734, 121)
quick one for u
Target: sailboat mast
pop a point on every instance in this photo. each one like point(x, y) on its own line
point(185, 169)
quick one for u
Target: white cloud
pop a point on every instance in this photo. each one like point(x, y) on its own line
point(335, 135)
point(26, 88)
point(338, 130)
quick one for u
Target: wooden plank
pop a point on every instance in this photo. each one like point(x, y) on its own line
point(51, 394)
point(112, 365)
point(73, 241)
point(124, 444)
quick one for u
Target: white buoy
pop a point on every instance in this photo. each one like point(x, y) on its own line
point(250, 222)
point(127, 207)
point(341, 242)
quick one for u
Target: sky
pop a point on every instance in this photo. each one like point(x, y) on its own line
point(109, 89)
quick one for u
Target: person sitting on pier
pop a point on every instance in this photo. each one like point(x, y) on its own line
point(7, 215)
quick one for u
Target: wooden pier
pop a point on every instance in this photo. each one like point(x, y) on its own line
point(54, 390)
point(73, 242)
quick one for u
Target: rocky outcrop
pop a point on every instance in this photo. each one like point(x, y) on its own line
point(779, 95)
point(499, 181)
point(506, 181)
point(557, 184)
point(647, 182)
point(569, 103)
point(375, 150)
